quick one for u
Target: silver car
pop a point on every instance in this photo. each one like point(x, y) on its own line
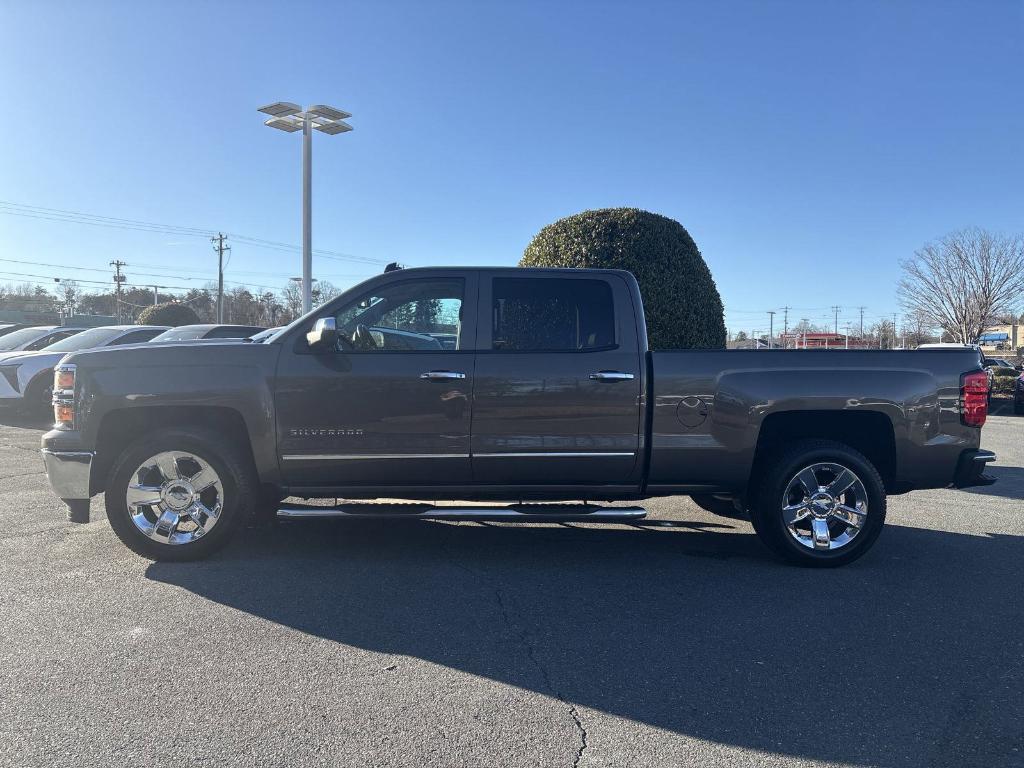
point(33, 338)
point(26, 378)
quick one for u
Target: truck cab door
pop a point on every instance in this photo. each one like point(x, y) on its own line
point(389, 404)
point(557, 398)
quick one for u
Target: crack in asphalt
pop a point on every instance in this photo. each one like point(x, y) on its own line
point(525, 641)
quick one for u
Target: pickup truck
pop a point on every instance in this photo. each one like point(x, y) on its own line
point(504, 385)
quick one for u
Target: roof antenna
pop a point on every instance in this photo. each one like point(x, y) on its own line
point(393, 267)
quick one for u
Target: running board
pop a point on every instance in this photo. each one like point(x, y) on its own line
point(522, 513)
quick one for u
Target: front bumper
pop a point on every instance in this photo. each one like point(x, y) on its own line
point(970, 469)
point(68, 473)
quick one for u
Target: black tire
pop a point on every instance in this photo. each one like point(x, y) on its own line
point(38, 400)
point(1018, 409)
point(718, 506)
point(233, 467)
point(767, 511)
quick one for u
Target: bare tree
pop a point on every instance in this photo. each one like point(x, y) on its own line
point(291, 297)
point(68, 294)
point(964, 281)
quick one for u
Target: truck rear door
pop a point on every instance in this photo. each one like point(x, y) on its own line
point(558, 381)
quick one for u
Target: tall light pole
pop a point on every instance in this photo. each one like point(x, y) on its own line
point(289, 117)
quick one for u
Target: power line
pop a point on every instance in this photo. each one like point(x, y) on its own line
point(11, 208)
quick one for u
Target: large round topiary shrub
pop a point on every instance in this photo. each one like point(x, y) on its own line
point(681, 301)
point(168, 314)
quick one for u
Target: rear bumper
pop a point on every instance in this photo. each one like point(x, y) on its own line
point(970, 469)
point(68, 472)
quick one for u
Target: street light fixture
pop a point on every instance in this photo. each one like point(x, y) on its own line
point(289, 117)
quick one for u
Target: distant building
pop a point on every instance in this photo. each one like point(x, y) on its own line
point(821, 341)
point(1002, 338)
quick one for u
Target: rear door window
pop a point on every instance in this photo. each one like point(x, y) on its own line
point(551, 315)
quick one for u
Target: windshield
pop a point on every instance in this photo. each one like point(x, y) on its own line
point(94, 337)
point(181, 334)
point(15, 340)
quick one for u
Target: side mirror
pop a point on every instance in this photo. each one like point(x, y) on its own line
point(323, 335)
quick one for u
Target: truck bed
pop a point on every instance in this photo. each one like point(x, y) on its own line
point(711, 408)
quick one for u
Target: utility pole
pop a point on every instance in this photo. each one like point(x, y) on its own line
point(894, 330)
point(219, 247)
point(848, 335)
point(156, 298)
point(771, 327)
point(785, 326)
point(835, 311)
point(862, 323)
point(118, 280)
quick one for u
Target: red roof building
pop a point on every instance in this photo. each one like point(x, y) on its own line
point(820, 341)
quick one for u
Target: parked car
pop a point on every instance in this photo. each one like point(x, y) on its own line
point(1000, 362)
point(32, 338)
point(12, 327)
point(208, 331)
point(26, 378)
point(550, 394)
point(265, 335)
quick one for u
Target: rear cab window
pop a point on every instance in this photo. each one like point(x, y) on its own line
point(551, 314)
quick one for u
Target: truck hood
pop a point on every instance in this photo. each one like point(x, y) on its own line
point(179, 354)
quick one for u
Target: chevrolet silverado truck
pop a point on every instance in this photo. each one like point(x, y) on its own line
point(522, 386)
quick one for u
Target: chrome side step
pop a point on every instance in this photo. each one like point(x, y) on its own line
point(523, 513)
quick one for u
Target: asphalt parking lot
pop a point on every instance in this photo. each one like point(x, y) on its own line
point(439, 644)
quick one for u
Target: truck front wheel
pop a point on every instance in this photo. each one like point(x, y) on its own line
point(821, 504)
point(179, 494)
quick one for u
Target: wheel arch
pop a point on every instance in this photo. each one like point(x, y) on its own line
point(870, 432)
point(123, 426)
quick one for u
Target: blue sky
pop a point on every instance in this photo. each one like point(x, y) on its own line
point(807, 147)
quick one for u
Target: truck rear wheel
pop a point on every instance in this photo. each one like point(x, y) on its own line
point(179, 494)
point(821, 504)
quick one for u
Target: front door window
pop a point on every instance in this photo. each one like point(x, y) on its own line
point(415, 315)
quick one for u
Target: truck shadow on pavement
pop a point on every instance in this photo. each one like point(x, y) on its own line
point(910, 656)
point(1009, 484)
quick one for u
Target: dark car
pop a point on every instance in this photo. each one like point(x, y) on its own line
point(1000, 362)
point(506, 384)
point(1018, 396)
point(6, 328)
point(208, 331)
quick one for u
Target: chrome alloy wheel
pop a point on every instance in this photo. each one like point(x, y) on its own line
point(175, 497)
point(825, 506)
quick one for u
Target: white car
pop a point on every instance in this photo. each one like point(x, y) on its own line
point(26, 378)
point(32, 338)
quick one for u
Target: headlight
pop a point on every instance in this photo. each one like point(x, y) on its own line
point(64, 396)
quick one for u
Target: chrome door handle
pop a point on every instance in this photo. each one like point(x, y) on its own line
point(442, 375)
point(612, 376)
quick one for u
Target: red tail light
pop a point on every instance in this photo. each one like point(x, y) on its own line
point(974, 398)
